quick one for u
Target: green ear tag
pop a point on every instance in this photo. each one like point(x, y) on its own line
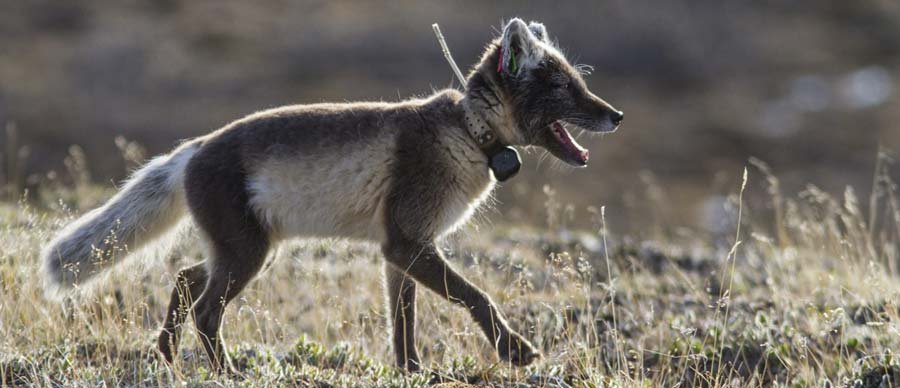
point(505, 163)
point(512, 63)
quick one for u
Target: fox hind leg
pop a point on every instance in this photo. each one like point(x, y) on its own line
point(217, 196)
point(189, 283)
point(237, 258)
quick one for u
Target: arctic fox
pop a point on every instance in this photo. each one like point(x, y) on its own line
point(401, 174)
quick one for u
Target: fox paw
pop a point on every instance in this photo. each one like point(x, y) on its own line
point(518, 351)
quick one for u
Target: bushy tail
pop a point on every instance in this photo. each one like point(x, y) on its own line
point(150, 203)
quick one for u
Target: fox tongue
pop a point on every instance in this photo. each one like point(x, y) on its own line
point(569, 145)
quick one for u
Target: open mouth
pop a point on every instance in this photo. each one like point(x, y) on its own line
point(571, 151)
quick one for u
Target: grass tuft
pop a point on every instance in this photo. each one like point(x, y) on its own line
point(803, 293)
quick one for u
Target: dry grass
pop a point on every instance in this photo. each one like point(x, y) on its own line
point(807, 298)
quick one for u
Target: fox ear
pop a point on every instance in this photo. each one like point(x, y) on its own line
point(539, 31)
point(520, 49)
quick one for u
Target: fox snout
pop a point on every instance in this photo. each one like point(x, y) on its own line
point(616, 117)
point(612, 121)
point(607, 117)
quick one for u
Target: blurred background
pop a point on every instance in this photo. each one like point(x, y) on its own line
point(809, 87)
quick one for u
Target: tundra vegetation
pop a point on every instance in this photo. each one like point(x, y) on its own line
point(801, 291)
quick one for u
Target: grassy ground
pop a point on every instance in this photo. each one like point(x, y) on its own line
point(809, 298)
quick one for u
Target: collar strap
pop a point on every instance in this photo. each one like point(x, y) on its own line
point(503, 160)
point(480, 130)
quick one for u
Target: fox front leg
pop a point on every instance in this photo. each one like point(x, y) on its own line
point(401, 299)
point(426, 264)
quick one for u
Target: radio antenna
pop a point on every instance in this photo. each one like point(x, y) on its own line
point(446, 50)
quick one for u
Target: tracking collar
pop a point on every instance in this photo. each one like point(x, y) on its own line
point(503, 160)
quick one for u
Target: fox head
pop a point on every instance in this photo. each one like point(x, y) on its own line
point(542, 95)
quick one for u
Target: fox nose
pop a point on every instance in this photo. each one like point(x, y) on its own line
point(617, 117)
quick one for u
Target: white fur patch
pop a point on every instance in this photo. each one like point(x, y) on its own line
point(331, 193)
